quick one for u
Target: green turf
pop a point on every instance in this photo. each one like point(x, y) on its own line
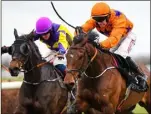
point(139, 110)
point(10, 79)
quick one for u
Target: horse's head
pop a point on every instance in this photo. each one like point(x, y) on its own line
point(79, 56)
point(20, 51)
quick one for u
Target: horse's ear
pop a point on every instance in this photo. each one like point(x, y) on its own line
point(15, 33)
point(31, 35)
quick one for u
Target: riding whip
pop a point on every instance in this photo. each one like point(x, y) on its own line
point(60, 16)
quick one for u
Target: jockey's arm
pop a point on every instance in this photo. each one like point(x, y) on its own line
point(119, 31)
point(62, 43)
point(65, 30)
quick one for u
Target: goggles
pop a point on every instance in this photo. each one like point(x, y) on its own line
point(100, 18)
point(44, 33)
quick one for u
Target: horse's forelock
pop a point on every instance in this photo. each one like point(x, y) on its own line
point(79, 38)
point(92, 36)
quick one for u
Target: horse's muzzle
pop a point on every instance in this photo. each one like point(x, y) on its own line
point(69, 86)
point(14, 71)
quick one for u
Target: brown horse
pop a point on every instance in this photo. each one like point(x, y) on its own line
point(42, 90)
point(102, 89)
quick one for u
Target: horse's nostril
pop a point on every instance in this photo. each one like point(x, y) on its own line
point(71, 84)
point(14, 71)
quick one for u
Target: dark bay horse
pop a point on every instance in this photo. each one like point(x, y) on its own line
point(42, 90)
point(102, 89)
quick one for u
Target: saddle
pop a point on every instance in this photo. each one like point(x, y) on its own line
point(123, 67)
point(122, 63)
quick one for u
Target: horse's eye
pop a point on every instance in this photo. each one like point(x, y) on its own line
point(24, 49)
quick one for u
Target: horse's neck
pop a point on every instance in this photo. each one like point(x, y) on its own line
point(34, 74)
point(100, 63)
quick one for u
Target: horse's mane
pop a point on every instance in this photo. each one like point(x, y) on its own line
point(91, 37)
point(79, 38)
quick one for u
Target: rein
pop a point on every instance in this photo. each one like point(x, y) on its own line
point(84, 73)
point(39, 65)
point(6, 68)
point(99, 74)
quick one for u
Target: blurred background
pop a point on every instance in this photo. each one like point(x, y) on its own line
point(22, 15)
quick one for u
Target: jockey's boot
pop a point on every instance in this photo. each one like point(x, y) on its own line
point(141, 76)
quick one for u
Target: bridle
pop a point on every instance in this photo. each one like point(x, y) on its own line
point(81, 70)
point(27, 56)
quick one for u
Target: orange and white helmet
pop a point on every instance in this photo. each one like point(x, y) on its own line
point(100, 10)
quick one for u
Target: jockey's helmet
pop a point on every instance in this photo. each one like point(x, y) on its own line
point(43, 25)
point(100, 11)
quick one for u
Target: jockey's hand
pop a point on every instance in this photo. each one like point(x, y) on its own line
point(78, 30)
point(60, 55)
point(4, 49)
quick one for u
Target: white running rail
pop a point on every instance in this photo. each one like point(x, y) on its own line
point(11, 85)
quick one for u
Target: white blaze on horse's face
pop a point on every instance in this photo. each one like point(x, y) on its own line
point(71, 55)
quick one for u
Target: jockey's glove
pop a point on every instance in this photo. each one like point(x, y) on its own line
point(78, 30)
point(61, 54)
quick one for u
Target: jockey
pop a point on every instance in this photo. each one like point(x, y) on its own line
point(55, 36)
point(118, 29)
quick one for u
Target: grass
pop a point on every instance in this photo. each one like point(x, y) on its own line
point(10, 79)
point(139, 110)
